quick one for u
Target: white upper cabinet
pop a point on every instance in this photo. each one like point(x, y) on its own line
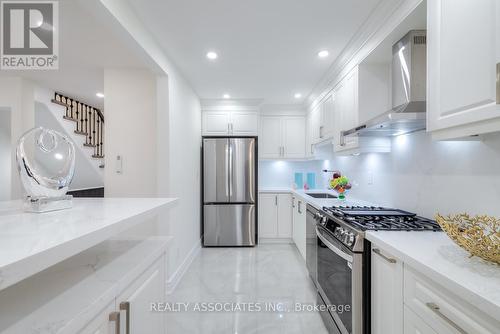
point(294, 135)
point(230, 123)
point(463, 53)
point(216, 123)
point(244, 123)
point(327, 127)
point(282, 137)
point(270, 137)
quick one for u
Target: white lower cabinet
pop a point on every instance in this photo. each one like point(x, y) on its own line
point(413, 324)
point(275, 216)
point(299, 225)
point(131, 311)
point(387, 292)
point(407, 301)
point(134, 303)
point(100, 324)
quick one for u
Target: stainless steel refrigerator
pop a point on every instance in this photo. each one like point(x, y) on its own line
point(229, 191)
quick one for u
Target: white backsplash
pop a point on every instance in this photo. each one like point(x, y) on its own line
point(280, 174)
point(420, 175)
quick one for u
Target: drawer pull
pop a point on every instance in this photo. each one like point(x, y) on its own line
point(115, 317)
point(435, 308)
point(388, 259)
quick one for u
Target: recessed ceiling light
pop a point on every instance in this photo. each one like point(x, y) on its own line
point(226, 96)
point(99, 95)
point(212, 55)
point(323, 53)
point(297, 95)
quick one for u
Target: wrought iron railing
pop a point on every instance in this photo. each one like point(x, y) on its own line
point(89, 122)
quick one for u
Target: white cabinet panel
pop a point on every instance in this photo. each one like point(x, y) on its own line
point(441, 309)
point(300, 225)
point(216, 123)
point(135, 302)
point(230, 123)
point(270, 137)
point(275, 216)
point(315, 124)
point(346, 107)
point(268, 216)
point(463, 43)
point(284, 216)
point(387, 292)
point(282, 137)
point(413, 324)
point(101, 323)
point(244, 123)
point(327, 127)
point(294, 135)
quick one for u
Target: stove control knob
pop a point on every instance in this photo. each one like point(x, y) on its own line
point(323, 220)
point(350, 239)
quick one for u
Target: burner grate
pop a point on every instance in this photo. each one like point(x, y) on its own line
point(378, 218)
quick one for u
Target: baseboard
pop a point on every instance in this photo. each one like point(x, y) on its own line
point(275, 241)
point(176, 277)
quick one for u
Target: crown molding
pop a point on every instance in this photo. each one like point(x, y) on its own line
point(384, 18)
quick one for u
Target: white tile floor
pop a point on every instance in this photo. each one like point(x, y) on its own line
point(264, 276)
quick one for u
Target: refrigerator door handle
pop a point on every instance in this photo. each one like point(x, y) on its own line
point(230, 146)
point(226, 157)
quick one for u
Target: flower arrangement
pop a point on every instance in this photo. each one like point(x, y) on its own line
point(340, 183)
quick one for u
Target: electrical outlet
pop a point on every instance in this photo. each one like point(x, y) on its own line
point(370, 178)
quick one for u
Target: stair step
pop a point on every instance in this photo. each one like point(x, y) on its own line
point(70, 118)
point(80, 132)
point(59, 103)
point(89, 145)
point(97, 156)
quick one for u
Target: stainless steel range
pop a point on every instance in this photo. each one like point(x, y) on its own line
point(342, 267)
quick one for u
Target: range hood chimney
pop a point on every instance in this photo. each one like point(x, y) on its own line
point(408, 113)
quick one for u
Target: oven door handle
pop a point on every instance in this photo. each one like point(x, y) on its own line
point(333, 248)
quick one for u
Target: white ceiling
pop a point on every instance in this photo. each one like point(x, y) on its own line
point(88, 43)
point(267, 48)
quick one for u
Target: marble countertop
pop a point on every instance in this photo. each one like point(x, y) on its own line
point(318, 203)
point(32, 242)
point(436, 256)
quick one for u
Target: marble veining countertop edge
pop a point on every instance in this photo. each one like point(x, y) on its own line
point(24, 251)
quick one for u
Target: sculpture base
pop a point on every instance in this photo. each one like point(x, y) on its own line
point(46, 204)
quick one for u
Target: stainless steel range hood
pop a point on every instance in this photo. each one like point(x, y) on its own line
point(408, 113)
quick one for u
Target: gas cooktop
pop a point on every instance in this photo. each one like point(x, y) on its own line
point(378, 218)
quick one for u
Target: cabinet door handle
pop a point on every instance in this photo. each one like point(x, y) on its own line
point(125, 306)
point(435, 308)
point(231, 128)
point(498, 83)
point(276, 200)
point(283, 150)
point(388, 259)
point(228, 128)
point(321, 131)
point(115, 317)
point(299, 209)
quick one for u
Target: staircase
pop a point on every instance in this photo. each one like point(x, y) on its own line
point(89, 122)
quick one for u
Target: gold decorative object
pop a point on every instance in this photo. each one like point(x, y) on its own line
point(479, 235)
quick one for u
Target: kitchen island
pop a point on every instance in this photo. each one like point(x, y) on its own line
point(74, 270)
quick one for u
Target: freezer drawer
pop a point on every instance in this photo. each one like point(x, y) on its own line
point(216, 170)
point(229, 225)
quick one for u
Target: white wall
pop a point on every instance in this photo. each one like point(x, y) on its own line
point(177, 134)
point(130, 132)
point(18, 95)
point(179, 156)
point(425, 176)
point(5, 154)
